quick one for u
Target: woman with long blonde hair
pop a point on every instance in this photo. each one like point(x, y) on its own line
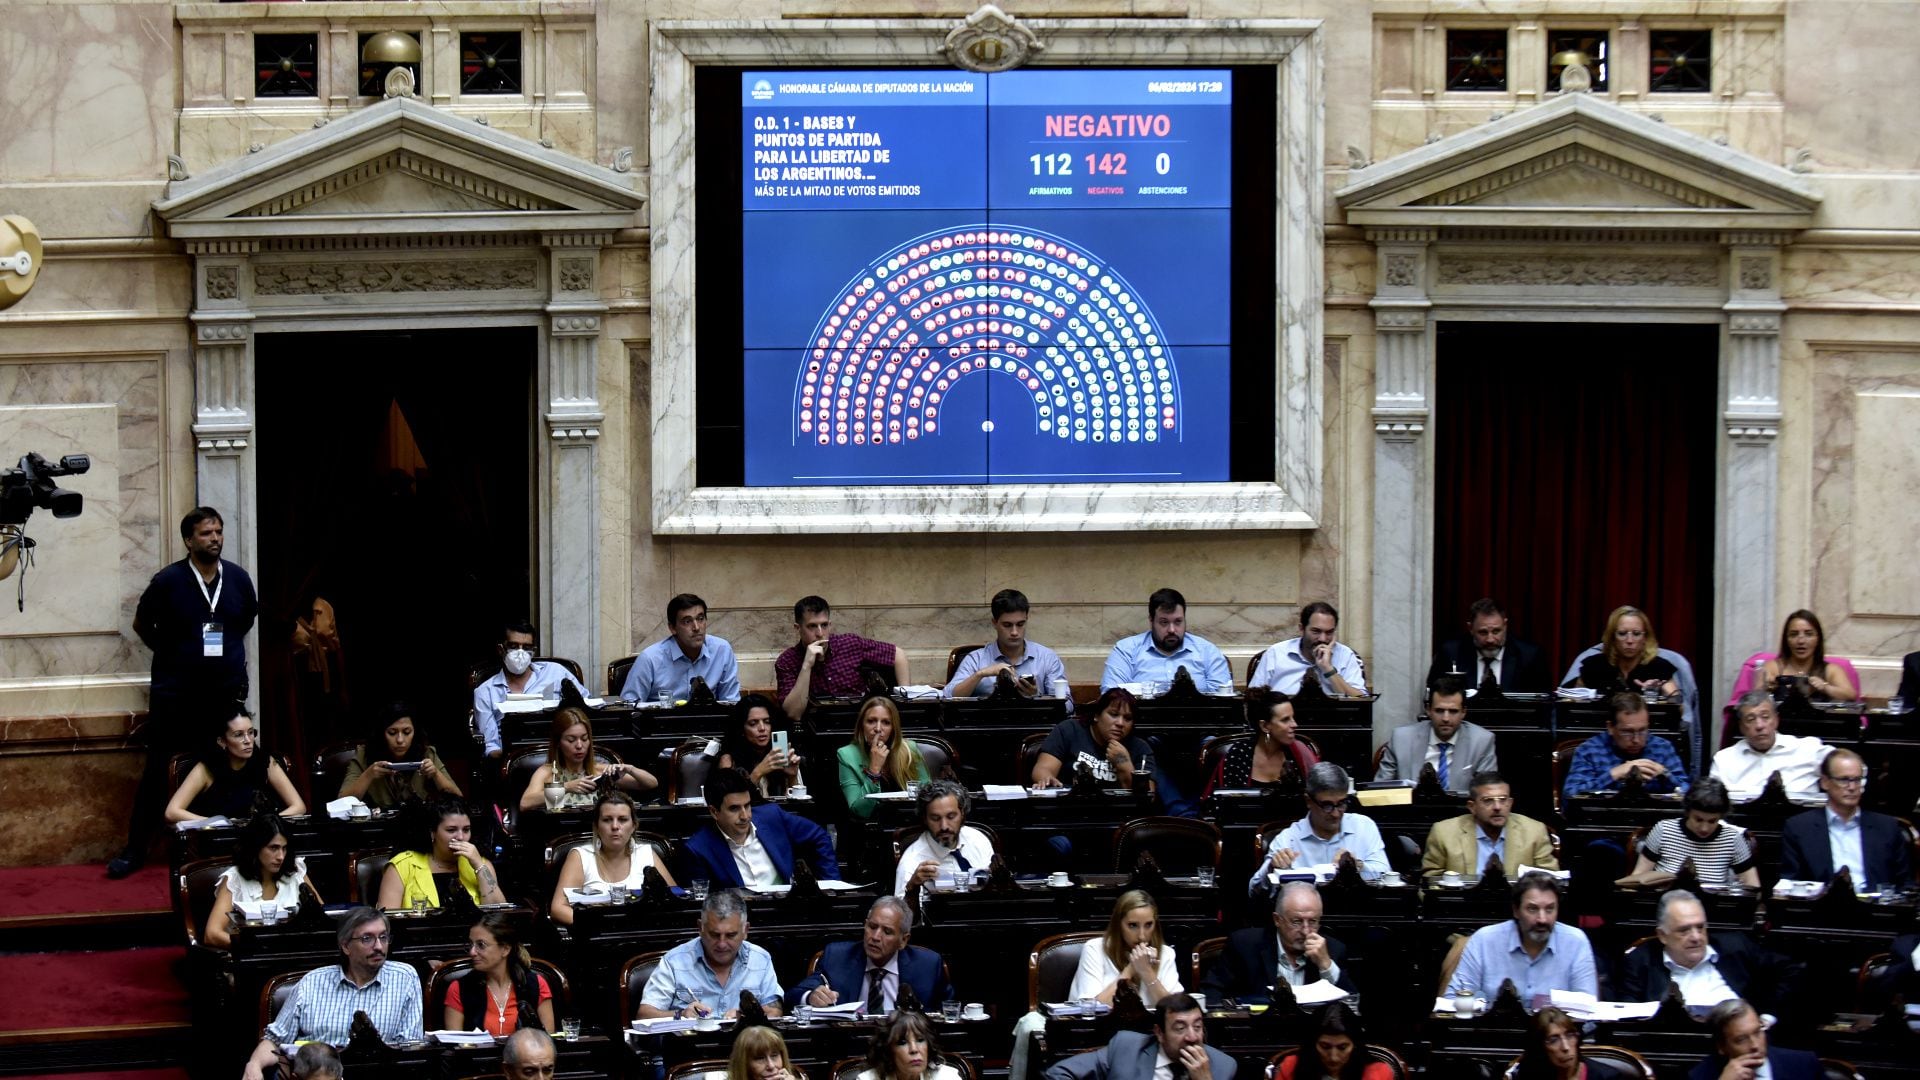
point(1629, 657)
point(878, 757)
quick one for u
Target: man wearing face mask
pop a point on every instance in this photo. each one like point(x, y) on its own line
point(519, 674)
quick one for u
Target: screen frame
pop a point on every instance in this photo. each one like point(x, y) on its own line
point(1291, 500)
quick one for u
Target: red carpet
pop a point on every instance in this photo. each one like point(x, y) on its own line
point(30, 891)
point(64, 990)
point(130, 1074)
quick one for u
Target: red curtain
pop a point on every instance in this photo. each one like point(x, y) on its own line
point(1574, 472)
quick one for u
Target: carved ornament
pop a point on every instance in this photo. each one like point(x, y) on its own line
point(991, 40)
point(1755, 274)
point(576, 275)
point(222, 333)
point(302, 279)
point(1566, 157)
point(223, 282)
point(1575, 270)
point(1403, 271)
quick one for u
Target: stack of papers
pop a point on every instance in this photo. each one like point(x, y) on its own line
point(1563, 875)
point(461, 1038)
point(829, 885)
point(917, 692)
point(843, 1008)
point(577, 897)
point(1318, 992)
point(519, 703)
point(348, 808)
point(1077, 1008)
point(665, 1025)
point(217, 821)
point(1585, 1007)
point(1003, 792)
point(1577, 693)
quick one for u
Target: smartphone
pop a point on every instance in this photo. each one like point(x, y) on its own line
point(780, 741)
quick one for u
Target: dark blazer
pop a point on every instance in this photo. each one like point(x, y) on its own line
point(1523, 667)
point(1899, 976)
point(1787, 1065)
point(780, 832)
point(1753, 972)
point(843, 967)
point(1805, 854)
point(1128, 1057)
point(1250, 964)
point(1910, 677)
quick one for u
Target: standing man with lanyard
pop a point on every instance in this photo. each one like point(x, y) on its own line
point(195, 616)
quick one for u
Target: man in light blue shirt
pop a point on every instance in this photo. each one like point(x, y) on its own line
point(667, 667)
point(1327, 831)
point(1034, 667)
point(322, 1006)
point(519, 673)
point(705, 976)
point(1165, 648)
point(1532, 949)
point(1286, 665)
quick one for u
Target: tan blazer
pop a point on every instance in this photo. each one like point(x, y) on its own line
point(1451, 845)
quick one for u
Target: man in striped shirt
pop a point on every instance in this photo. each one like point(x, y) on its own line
point(322, 1006)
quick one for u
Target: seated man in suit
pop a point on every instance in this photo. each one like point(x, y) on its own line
point(706, 976)
point(1740, 1050)
point(1327, 832)
point(950, 846)
point(1532, 949)
point(1177, 1048)
point(1457, 748)
point(745, 846)
point(1746, 766)
point(1707, 973)
point(1603, 762)
point(1816, 844)
point(1465, 843)
point(322, 1006)
point(1291, 950)
point(874, 968)
point(1486, 656)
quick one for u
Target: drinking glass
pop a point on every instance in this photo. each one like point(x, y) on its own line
point(1205, 876)
point(570, 1027)
point(1896, 704)
point(950, 1011)
point(419, 905)
point(620, 892)
point(698, 890)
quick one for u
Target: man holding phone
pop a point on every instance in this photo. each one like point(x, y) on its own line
point(1033, 667)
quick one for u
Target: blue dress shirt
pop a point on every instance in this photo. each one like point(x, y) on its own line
point(1284, 666)
point(1494, 954)
point(543, 676)
point(1598, 756)
point(663, 665)
point(1136, 659)
point(322, 1006)
point(684, 970)
point(1040, 664)
point(1357, 834)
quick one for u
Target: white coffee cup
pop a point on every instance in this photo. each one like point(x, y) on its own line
point(1391, 877)
point(975, 1011)
point(797, 791)
point(709, 1022)
point(556, 794)
point(1060, 688)
point(1199, 999)
point(1450, 877)
point(1059, 877)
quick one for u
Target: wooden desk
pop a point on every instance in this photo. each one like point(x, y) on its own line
point(817, 1046)
point(1025, 826)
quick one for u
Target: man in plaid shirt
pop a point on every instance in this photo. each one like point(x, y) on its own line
point(826, 664)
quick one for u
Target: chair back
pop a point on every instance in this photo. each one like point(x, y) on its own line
point(1253, 662)
point(848, 1068)
point(275, 994)
point(705, 1069)
point(957, 654)
point(194, 887)
point(941, 759)
point(1838, 1069)
point(522, 766)
point(572, 666)
point(1263, 839)
point(687, 772)
point(1562, 761)
point(454, 970)
point(330, 770)
point(1029, 753)
point(178, 766)
point(1205, 955)
point(364, 870)
point(634, 974)
point(1180, 845)
point(1051, 965)
point(1606, 1062)
point(560, 848)
point(1214, 750)
point(1873, 987)
point(617, 672)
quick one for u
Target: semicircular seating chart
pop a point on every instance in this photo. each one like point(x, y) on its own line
point(978, 300)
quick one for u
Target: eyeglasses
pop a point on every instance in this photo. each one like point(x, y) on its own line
point(1495, 800)
point(1335, 807)
point(1847, 781)
point(1299, 924)
point(370, 940)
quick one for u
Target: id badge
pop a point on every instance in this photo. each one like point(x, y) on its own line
point(212, 640)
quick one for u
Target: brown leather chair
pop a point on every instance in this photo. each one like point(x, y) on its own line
point(1372, 1053)
point(1870, 990)
point(329, 770)
point(519, 773)
point(1029, 753)
point(942, 760)
point(851, 1068)
point(1252, 663)
point(688, 769)
point(1605, 1062)
point(617, 672)
point(561, 846)
point(1214, 750)
point(178, 766)
point(453, 970)
point(706, 1069)
point(634, 974)
point(1051, 965)
point(1180, 845)
point(957, 654)
point(364, 870)
point(1205, 954)
point(275, 994)
point(1839, 1069)
point(1562, 761)
point(194, 888)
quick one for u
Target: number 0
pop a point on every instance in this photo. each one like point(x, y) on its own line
point(1161, 163)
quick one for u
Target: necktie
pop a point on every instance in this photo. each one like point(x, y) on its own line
point(1440, 767)
point(876, 985)
point(960, 857)
point(1489, 679)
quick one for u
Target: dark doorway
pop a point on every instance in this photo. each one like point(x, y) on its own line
point(1575, 472)
point(395, 479)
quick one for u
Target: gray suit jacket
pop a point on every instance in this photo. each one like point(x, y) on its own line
point(1407, 752)
point(1128, 1057)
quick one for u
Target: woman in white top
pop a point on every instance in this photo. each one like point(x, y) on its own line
point(264, 870)
point(612, 859)
point(1131, 951)
point(904, 1050)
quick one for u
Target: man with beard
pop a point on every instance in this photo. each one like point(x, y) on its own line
point(322, 1006)
point(1465, 843)
point(1285, 666)
point(949, 846)
point(874, 968)
point(1488, 657)
point(1158, 654)
point(1532, 950)
point(1176, 1049)
point(519, 673)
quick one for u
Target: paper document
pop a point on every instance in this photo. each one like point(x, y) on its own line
point(577, 897)
point(215, 822)
point(345, 809)
point(1317, 992)
point(844, 1008)
point(1003, 792)
point(461, 1038)
point(522, 705)
point(1077, 1008)
point(665, 1024)
point(1563, 875)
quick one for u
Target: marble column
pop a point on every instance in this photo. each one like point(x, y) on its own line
point(223, 410)
point(571, 562)
point(1747, 544)
point(1402, 471)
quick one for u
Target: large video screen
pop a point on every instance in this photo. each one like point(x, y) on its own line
point(956, 278)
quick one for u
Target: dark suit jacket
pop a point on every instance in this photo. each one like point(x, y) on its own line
point(1805, 854)
point(780, 833)
point(843, 967)
point(1899, 977)
point(1910, 678)
point(1250, 964)
point(1787, 1065)
point(1128, 1057)
point(1753, 972)
point(1523, 668)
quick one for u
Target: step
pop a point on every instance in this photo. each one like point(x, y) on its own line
point(78, 906)
point(87, 1009)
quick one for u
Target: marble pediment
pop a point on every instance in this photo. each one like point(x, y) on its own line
point(1578, 161)
point(400, 167)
